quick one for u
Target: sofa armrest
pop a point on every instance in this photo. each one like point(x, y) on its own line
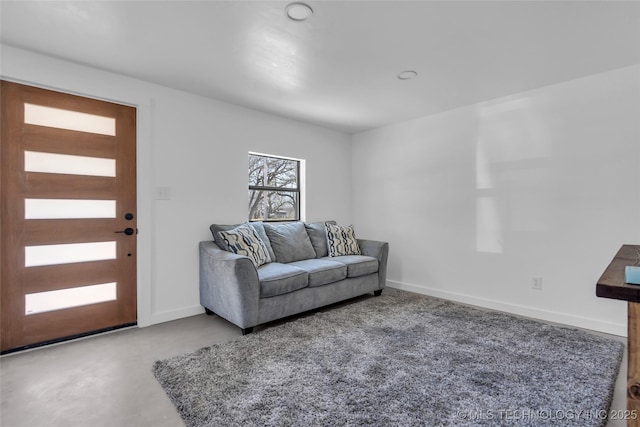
point(380, 251)
point(229, 285)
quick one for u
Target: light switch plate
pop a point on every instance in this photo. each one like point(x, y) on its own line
point(163, 193)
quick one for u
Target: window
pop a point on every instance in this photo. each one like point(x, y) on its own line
point(274, 188)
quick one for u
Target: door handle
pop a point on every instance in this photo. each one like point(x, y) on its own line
point(128, 231)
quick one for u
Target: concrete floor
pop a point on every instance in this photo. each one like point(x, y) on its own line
point(103, 380)
point(106, 380)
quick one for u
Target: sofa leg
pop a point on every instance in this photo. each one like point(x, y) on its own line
point(246, 331)
point(378, 292)
point(209, 312)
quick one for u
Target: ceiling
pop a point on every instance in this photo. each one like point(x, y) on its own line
point(338, 69)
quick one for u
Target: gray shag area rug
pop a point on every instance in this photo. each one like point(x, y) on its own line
point(401, 359)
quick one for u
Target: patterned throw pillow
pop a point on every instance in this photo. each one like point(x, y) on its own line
point(341, 240)
point(243, 240)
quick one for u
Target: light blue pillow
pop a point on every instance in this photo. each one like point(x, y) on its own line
point(318, 235)
point(290, 241)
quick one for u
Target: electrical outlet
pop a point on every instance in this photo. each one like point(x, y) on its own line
point(536, 283)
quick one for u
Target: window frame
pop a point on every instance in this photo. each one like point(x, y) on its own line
point(297, 189)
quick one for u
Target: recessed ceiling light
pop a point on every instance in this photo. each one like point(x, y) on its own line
point(408, 75)
point(298, 11)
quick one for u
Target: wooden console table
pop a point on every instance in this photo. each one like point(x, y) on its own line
point(612, 285)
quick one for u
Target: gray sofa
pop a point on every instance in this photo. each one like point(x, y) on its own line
point(300, 277)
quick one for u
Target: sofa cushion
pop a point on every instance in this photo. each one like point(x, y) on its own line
point(258, 226)
point(318, 235)
point(321, 271)
point(290, 241)
point(357, 265)
point(277, 279)
point(243, 240)
point(341, 240)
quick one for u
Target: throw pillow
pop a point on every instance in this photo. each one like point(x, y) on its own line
point(341, 240)
point(243, 240)
point(257, 226)
point(290, 241)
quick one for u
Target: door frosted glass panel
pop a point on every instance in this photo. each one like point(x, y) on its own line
point(66, 298)
point(69, 209)
point(68, 253)
point(66, 119)
point(35, 161)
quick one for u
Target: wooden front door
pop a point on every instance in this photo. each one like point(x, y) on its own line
point(68, 216)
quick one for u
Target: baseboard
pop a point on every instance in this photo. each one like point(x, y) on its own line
point(532, 312)
point(167, 316)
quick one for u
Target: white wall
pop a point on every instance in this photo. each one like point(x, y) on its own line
point(197, 147)
point(477, 201)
